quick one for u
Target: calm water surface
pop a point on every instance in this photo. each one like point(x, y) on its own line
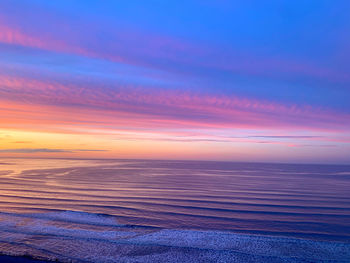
point(90, 198)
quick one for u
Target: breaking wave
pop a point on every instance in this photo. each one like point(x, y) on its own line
point(86, 237)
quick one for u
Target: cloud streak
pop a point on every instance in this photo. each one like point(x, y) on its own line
point(158, 50)
point(143, 107)
point(130, 74)
point(47, 150)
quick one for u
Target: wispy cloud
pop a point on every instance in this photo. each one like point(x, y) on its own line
point(285, 136)
point(166, 79)
point(150, 106)
point(23, 142)
point(47, 150)
point(32, 150)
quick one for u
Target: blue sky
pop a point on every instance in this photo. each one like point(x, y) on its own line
point(207, 70)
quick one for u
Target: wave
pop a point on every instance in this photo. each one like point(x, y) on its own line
point(66, 216)
point(89, 237)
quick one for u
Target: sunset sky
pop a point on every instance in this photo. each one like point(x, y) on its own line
point(195, 79)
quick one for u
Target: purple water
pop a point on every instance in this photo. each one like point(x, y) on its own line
point(51, 204)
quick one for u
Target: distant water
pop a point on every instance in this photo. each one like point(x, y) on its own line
point(138, 210)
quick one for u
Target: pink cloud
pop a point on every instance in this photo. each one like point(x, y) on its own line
point(156, 51)
point(131, 106)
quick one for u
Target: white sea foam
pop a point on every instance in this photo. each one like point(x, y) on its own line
point(79, 217)
point(311, 201)
point(69, 217)
point(250, 244)
point(53, 236)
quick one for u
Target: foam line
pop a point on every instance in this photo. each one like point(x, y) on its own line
point(72, 235)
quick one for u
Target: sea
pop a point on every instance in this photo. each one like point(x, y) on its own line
point(74, 210)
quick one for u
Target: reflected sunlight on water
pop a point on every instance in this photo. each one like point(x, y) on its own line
point(108, 210)
point(280, 199)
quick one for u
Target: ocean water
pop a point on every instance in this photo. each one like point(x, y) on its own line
point(174, 211)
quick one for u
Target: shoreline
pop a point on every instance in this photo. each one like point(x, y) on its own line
point(189, 245)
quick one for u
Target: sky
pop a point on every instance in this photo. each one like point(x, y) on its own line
point(265, 81)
